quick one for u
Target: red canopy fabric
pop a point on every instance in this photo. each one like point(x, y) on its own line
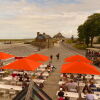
point(79, 67)
point(4, 56)
point(77, 58)
point(23, 64)
point(38, 57)
point(19, 58)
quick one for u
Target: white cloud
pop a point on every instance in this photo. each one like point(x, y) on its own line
point(21, 19)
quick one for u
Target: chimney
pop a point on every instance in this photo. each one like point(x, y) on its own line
point(38, 33)
point(43, 33)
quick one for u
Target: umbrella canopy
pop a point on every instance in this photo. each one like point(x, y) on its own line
point(77, 58)
point(4, 56)
point(23, 64)
point(79, 67)
point(38, 57)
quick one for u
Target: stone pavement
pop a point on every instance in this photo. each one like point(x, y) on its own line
point(51, 85)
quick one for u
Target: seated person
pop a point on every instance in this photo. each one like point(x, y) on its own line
point(49, 70)
point(25, 75)
point(65, 79)
point(67, 98)
point(79, 76)
point(92, 86)
point(61, 94)
point(90, 96)
point(61, 98)
point(20, 78)
point(71, 86)
point(71, 76)
point(86, 89)
point(49, 65)
point(65, 75)
point(40, 76)
point(41, 85)
point(24, 85)
point(18, 74)
point(84, 78)
point(53, 67)
point(92, 80)
point(63, 87)
point(27, 79)
point(11, 91)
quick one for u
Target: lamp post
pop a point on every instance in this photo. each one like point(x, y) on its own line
point(48, 42)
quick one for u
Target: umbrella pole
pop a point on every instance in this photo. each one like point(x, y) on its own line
point(23, 76)
point(79, 92)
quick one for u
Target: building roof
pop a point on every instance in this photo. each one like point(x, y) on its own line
point(58, 35)
point(40, 37)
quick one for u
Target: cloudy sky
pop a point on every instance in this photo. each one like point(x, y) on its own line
point(23, 18)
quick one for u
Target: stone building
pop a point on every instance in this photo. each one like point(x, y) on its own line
point(43, 40)
point(59, 36)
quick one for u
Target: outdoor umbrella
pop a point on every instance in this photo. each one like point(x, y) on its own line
point(77, 58)
point(4, 56)
point(79, 67)
point(38, 57)
point(23, 64)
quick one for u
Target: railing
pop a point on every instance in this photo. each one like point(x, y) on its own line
point(21, 95)
point(33, 92)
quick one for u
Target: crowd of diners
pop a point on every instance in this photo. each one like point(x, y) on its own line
point(94, 56)
point(78, 83)
point(23, 78)
point(26, 77)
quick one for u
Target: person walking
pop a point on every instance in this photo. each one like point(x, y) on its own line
point(51, 57)
point(58, 56)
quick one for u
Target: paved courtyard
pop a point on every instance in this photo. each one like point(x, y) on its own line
point(51, 84)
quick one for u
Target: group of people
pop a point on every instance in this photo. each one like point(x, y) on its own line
point(57, 56)
point(21, 77)
point(24, 78)
point(95, 56)
point(71, 85)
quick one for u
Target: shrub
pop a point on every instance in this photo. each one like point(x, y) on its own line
point(80, 46)
point(98, 41)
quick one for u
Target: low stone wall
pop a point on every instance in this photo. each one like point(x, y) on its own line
point(43, 44)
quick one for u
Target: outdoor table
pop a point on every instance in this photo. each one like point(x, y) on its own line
point(41, 69)
point(2, 72)
point(61, 82)
point(43, 66)
point(3, 86)
point(96, 77)
point(45, 74)
point(97, 93)
point(70, 94)
point(9, 78)
point(38, 81)
point(37, 73)
point(96, 97)
point(83, 84)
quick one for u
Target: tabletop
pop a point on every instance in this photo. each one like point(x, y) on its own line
point(3, 86)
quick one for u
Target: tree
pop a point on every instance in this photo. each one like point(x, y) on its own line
point(72, 38)
point(90, 28)
point(83, 35)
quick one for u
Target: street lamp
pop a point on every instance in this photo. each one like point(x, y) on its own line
point(48, 42)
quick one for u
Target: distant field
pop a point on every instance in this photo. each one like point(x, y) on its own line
point(16, 40)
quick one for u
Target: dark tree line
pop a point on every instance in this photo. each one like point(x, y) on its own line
point(89, 29)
